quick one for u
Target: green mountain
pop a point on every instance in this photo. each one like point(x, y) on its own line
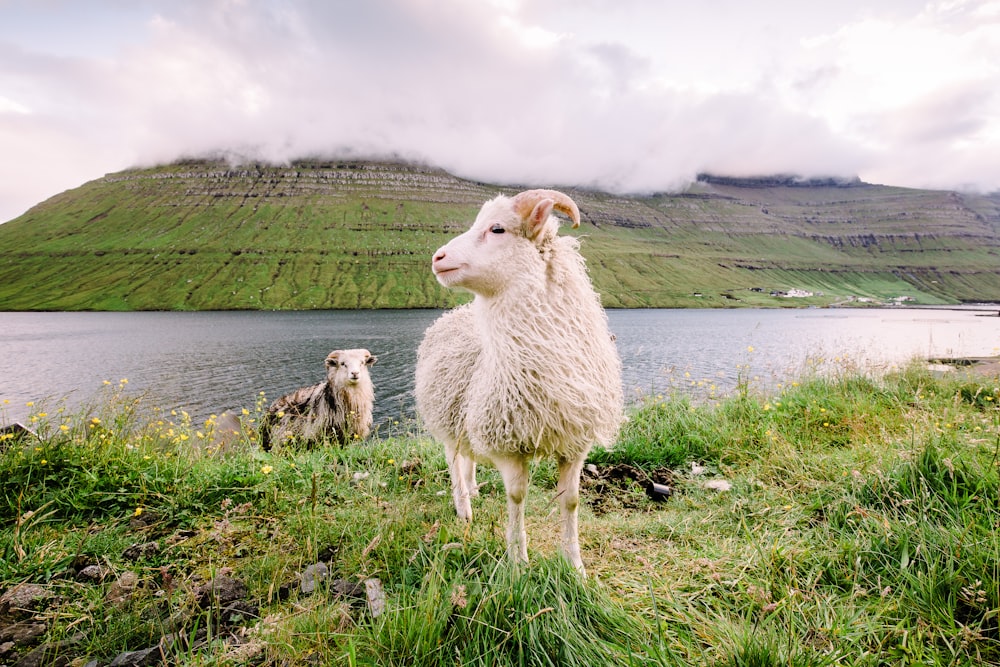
point(198, 235)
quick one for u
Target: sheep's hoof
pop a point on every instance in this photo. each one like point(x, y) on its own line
point(463, 508)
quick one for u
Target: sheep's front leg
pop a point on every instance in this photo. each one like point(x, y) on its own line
point(460, 469)
point(514, 470)
point(569, 500)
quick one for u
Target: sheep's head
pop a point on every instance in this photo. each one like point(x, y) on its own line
point(500, 241)
point(348, 367)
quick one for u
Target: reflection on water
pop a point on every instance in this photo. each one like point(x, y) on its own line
point(208, 362)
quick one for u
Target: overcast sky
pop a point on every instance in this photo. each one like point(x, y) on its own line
point(625, 95)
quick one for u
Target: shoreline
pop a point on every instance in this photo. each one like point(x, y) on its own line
point(979, 366)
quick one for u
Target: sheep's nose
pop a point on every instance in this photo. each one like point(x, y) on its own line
point(438, 256)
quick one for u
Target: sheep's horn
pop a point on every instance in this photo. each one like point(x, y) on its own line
point(524, 203)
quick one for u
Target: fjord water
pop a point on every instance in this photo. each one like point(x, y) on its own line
point(206, 362)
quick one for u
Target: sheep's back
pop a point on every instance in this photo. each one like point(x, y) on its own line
point(546, 386)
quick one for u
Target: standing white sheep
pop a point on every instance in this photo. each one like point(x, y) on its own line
point(340, 406)
point(528, 368)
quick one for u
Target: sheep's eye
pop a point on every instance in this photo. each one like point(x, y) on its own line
point(497, 229)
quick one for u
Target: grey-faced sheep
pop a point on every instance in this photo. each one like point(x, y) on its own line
point(339, 407)
point(528, 368)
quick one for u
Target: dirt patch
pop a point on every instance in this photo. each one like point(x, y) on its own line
point(625, 487)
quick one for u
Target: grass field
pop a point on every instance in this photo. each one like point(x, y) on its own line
point(860, 528)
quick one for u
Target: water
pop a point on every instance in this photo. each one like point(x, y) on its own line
point(207, 362)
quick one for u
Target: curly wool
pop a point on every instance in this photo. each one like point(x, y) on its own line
point(534, 371)
point(340, 407)
point(322, 411)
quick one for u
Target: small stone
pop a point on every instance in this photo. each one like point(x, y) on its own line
point(220, 591)
point(312, 576)
point(123, 588)
point(24, 598)
point(144, 550)
point(347, 589)
point(24, 633)
point(50, 655)
point(144, 658)
point(376, 597)
point(93, 574)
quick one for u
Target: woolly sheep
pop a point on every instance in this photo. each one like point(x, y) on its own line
point(528, 368)
point(340, 406)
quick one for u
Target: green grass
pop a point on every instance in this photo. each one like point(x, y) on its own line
point(861, 529)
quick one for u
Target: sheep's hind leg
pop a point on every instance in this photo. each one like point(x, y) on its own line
point(569, 500)
point(514, 471)
point(459, 466)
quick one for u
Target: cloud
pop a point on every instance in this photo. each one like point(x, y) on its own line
point(627, 96)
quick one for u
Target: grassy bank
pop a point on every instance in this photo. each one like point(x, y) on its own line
point(861, 528)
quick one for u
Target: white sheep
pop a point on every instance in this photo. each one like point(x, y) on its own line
point(528, 368)
point(340, 406)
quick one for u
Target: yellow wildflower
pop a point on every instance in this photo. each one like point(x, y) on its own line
point(267, 470)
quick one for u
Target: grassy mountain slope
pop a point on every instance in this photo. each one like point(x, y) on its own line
point(201, 235)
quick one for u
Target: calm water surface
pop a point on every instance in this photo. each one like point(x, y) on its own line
point(208, 362)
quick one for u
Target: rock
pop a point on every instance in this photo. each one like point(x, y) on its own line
point(91, 574)
point(50, 655)
point(220, 591)
point(23, 599)
point(5, 649)
point(376, 597)
point(348, 589)
point(143, 520)
point(123, 588)
point(144, 658)
point(144, 550)
point(24, 633)
point(18, 433)
point(312, 576)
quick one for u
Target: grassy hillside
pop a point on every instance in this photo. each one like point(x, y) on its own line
point(200, 235)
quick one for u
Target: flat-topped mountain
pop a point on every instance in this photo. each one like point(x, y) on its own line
point(349, 234)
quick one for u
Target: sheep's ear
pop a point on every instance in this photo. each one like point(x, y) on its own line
point(370, 361)
point(333, 358)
